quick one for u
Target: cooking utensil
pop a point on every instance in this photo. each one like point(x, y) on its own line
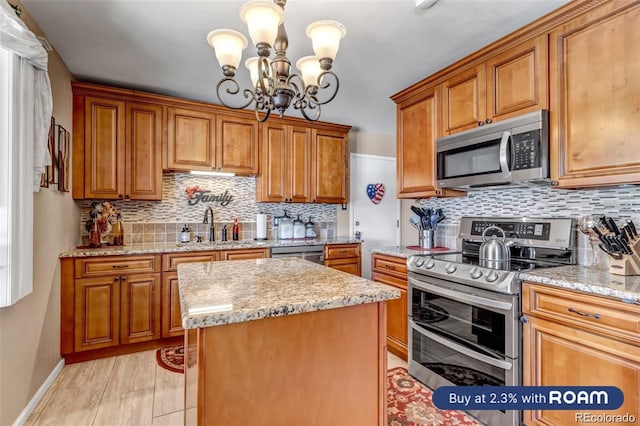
point(426, 224)
point(613, 226)
point(434, 221)
point(632, 227)
point(415, 222)
point(418, 211)
point(616, 256)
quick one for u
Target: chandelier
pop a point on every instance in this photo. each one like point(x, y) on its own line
point(275, 86)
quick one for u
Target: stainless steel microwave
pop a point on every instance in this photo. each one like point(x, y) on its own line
point(512, 152)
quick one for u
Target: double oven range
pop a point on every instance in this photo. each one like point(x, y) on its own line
point(464, 327)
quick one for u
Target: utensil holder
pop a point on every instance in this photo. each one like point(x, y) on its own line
point(426, 238)
point(629, 264)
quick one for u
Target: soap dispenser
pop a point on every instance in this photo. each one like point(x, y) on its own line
point(185, 234)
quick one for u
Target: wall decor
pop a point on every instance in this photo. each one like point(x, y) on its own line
point(47, 173)
point(63, 146)
point(375, 192)
point(195, 194)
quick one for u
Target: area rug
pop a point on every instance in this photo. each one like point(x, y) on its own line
point(409, 404)
point(408, 401)
point(171, 358)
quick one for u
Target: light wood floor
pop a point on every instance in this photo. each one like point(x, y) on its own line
point(123, 390)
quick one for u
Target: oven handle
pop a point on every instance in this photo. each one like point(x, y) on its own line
point(463, 297)
point(504, 162)
point(466, 351)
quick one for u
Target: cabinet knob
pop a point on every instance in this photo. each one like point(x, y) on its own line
point(126, 197)
point(116, 279)
point(120, 196)
point(123, 278)
point(480, 123)
point(488, 121)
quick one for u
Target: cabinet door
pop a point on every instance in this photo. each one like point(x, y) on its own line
point(140, 307)
point(104, 148)
point(595, 82)
point(463, 100)
point(243, 254)
point(237, 145)
point(417, 131)
point(171, 313)
point(517, 80)
point(190, 139)
point(299, 164)
point(272, 185)
point(555, 355)
point(397, 323)
point(330, 175)
point(97, 313)
point(143, 158)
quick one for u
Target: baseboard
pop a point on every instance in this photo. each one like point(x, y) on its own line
point(33, 403)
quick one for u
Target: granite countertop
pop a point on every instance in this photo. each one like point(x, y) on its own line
point(405, 251)
point(217, 293)
point(588, 280)
point(153, 248)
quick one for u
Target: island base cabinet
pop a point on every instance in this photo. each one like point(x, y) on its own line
point(319, 368)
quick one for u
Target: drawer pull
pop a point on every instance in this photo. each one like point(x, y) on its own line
point(119, 266)
point(390, 267)
point(584, 314)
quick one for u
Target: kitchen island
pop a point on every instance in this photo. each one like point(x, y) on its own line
point(281, 342)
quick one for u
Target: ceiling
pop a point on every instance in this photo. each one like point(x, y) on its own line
point(160, 46)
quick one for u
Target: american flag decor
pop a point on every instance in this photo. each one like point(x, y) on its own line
point(375, 192)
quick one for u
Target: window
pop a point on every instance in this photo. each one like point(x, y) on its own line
point(17, 114)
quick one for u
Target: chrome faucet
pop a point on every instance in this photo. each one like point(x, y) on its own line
point(212, 228)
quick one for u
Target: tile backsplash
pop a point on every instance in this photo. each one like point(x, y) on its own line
point(162, 221)
point(620, 203)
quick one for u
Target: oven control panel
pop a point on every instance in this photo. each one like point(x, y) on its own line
point(523, 230)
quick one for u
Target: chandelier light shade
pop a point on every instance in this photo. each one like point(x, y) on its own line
point(274, 86)
point(228, 45)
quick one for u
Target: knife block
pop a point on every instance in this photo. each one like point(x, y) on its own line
point(629, 264)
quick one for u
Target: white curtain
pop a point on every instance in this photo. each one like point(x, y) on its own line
point(16, 37)
point(25, 115)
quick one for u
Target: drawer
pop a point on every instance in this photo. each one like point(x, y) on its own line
point(171, 261)
point(116, 265)
point(391, 265)
point(593, 313)
point(244, 254)
point(340, 251)
point(389, 280)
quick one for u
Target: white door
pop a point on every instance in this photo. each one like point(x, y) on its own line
point(377, 223)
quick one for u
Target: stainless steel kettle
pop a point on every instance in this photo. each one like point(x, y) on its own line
point(494, 250)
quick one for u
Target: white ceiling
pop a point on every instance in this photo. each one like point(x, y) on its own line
point(160, 46)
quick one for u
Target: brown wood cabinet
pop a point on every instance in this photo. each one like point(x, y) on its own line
point(285, 174)
point(329, 166)
point(114, 303)
point(171, 313)
point(202, 139)
point(392, 271)
point(576, 339)
point(116, 148)
point(191, 135)
point(595, 94)
point(344, 257)
point(510, 83)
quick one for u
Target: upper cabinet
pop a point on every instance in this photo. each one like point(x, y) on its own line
point(191, 137)
point(510, 83)
point(116, 150)
point(595, 97)
point(200, 139)
point(417, 130)
point(329, 166)
point(285, 174)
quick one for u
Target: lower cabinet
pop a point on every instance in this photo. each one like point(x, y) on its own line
point(344, 257)
point(111, 301)
point(573, 339)
point(392, 271)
